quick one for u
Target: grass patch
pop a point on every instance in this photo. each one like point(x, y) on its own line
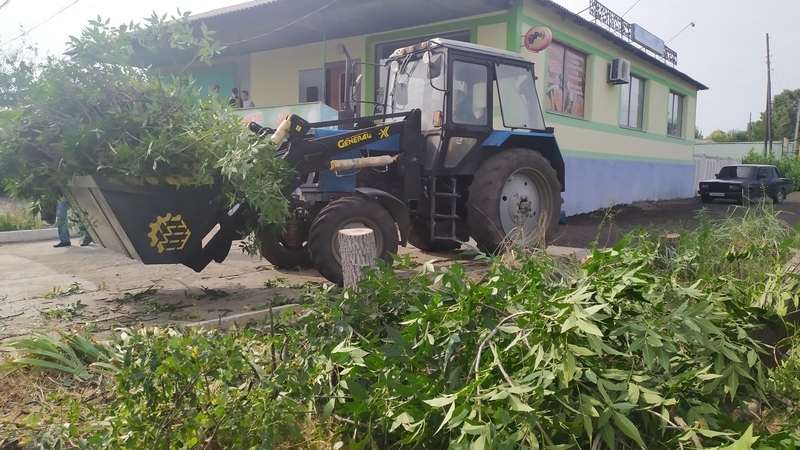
point(17, 217)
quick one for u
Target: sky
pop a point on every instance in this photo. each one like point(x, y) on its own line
point(725, 50)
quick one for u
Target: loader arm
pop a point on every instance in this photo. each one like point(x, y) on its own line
point(313, 155)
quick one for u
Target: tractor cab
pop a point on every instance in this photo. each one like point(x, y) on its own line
point(467, 93)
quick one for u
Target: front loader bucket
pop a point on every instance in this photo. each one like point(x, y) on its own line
point(155, 223)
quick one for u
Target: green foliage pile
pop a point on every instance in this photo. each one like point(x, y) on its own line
point(636, 347)
point(788, 167)
point(92, 112)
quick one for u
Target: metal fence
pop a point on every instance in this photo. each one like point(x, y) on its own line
point(705, 167)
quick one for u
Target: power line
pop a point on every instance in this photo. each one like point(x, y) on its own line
point(5, 3)
point(629, 9)
point(26, 32)
point(282, 27)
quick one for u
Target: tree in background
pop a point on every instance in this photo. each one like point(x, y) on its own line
point(784, 117)
point(729, 136)
point(784, 114)
point(718, 136)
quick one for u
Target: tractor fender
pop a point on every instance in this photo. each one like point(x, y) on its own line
point(394, 205)
point(543, 142)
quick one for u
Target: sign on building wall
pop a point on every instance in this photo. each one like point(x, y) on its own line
point(566, 80)
point(648, 39)
point(537, 38)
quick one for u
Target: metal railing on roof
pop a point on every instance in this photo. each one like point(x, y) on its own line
point(624, 29)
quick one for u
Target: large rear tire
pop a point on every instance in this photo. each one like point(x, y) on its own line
point(514, 197)
point(275, 249)
point(349, 212)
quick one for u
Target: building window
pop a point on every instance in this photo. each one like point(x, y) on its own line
point(566, 80)
point(675, 115)
point(631, 108)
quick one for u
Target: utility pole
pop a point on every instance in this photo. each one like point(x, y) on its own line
point(768, 121)
point(750, 126)
point(796, 126)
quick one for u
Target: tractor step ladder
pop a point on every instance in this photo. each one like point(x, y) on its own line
point(444, 190)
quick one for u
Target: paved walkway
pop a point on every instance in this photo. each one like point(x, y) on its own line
point(114, 288)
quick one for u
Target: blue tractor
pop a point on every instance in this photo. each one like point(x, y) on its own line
point(460, 151)
point(457, 149)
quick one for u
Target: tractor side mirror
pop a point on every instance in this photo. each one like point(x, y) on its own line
point(356, 87)
point(435, 65)
point(401, 94)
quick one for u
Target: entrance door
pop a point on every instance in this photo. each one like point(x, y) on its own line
point(335, 88)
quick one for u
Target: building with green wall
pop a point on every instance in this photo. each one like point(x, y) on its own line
point(621, 142)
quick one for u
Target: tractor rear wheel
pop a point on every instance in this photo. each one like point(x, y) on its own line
point(349, 212)
point(420, 236)
point(275, 249)
point(515, 197)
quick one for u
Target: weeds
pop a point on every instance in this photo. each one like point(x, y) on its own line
point(66, 312)
point(17, 217)
point(148, 302)
point(74, 288)
point(635, 347)
point(275, 282)
point(69, 353)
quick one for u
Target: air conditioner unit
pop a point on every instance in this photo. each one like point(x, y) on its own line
point(619, 71)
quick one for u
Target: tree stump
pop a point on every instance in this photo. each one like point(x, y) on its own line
point(358, 250)
point(668, 248)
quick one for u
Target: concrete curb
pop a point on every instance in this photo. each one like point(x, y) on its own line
point(42, 234)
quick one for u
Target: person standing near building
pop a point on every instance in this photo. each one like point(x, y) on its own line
point(63, 226)
point(246, 102)
point(235, 101)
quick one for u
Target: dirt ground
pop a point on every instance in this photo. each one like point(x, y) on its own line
point(608, 225)
point(91, 288)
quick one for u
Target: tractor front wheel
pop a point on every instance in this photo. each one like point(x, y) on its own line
point(514, 198)
point(276, 249)
point(349, 212)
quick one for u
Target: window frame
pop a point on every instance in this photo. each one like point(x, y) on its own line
point(473, 99)
point(641, 103)
point(671, 108)
point(553, 71)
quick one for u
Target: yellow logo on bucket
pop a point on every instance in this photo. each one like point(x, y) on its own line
point(169, 233)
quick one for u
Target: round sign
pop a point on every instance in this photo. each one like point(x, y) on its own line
point(538, 38)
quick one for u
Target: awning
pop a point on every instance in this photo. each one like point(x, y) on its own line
point(270, 24)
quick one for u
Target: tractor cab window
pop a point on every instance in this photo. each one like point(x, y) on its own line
point(519, 102)
point(469, 93)
point(412, 88)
